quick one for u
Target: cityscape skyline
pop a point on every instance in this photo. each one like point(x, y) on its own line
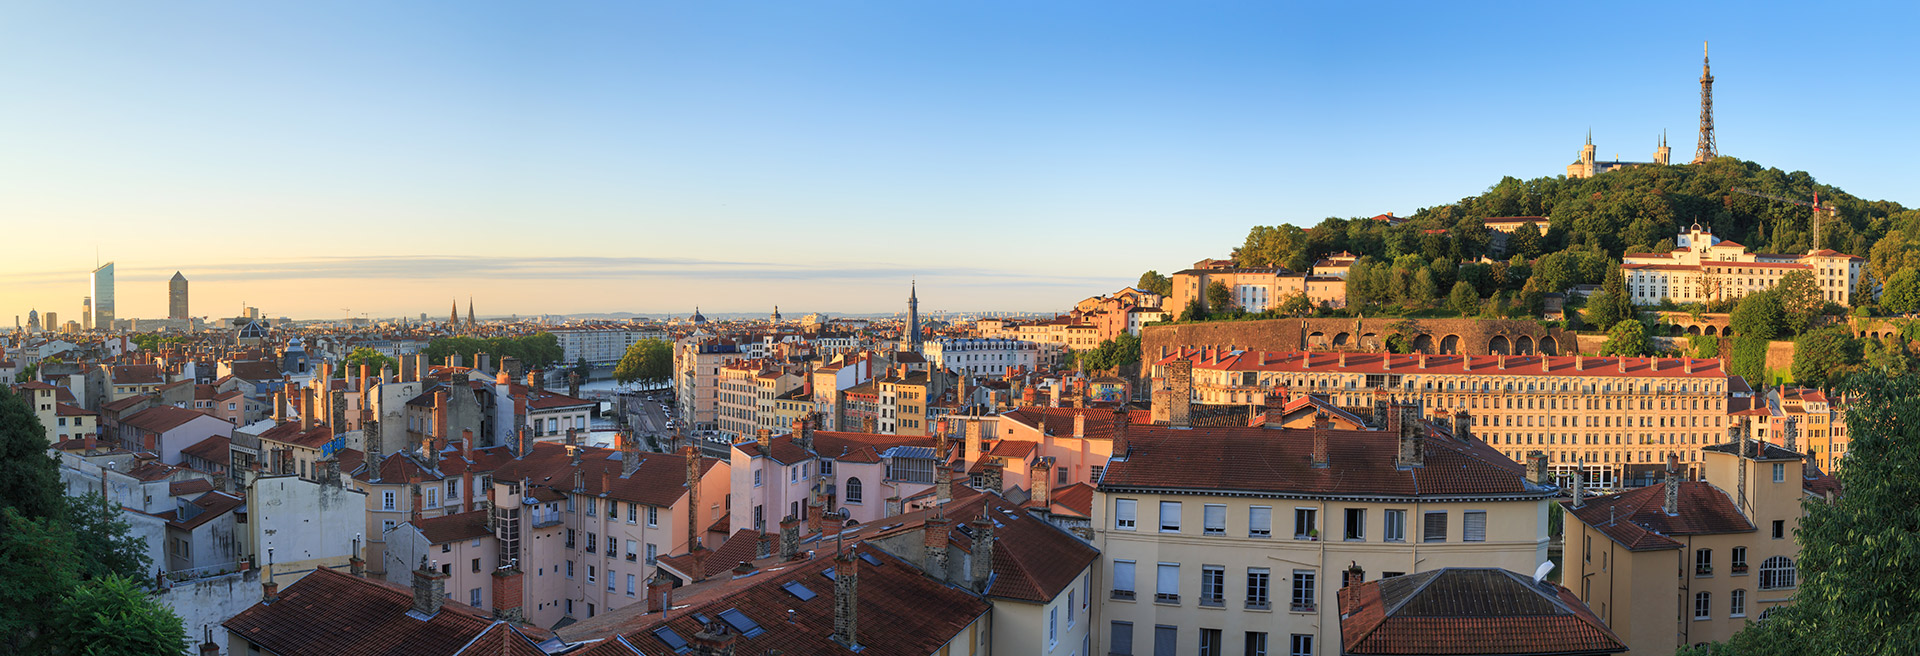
point(651, 158)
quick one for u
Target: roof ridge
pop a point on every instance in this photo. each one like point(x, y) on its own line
point(1432, 575)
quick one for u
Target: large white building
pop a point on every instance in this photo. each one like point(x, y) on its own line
point(601, 344)
point(982, 357)
point(1703, 268)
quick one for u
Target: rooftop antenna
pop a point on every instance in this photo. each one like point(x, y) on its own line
point(1540, 573)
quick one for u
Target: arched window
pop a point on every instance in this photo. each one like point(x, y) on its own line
point(854, 493)
point(1776, 573)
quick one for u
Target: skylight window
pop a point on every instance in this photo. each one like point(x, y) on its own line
point(673, 640)
point(870, 559)
point(740, 622)
point(797, 590)
point(828, 572)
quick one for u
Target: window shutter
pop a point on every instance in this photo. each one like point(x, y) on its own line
point(1122, 642)
point(1260, 521)
point(1123, 512)
point(1169, 580)
point(1474, 526)
point(1216, 518)
point(1169, 515)
point(1436, 527)
point(1123, 576)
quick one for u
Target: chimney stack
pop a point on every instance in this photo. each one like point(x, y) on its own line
point(935, 537)
point(429, 589)
point(1537, 466)
point(1320, 427)
point(506, 594)
point(1500, 362)
point(1122, 442)
point(1413, 447)
point(846, 600)
point(1355, 576)
point(1041, 475)
point(1672, 505)
point(789, 537)
point(659, 592)
point(535, 381)
point(573, 384)
point(1080, 425)
point(982, 564)
point(629, 454)
point(993, 477)
point(306, 409)
point(1462, 424)
point(1580, 483)
point(279, 407)
point(694, 527)
point(974, 445)
point(1180, 378)
point(764, 437)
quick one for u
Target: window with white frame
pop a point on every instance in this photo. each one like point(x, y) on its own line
point(1737, 604)
point(1169, 517)
point(1304, 592)
point(1167, 584)
point(1214, 519)
point(1702, 605)
point(1777, 573)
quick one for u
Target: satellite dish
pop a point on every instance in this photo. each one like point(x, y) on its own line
point(1540, 573)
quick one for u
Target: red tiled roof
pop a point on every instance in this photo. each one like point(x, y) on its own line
point(550, 400)
point(1516, 365)
point(1755, 265)
point(134, 374)
point(160, 419)
point(744, 545)
point(327, 613)
point(212, 505)
point(255, 370)
point(1077, 497)
point(405, 466)
point(1099, 422)
point(660, 481)
point(65, 410)
point(455, 527)
point(188, 487)
point(1279, 461)
point(835, 445)
point(152, 471)
point(1638, 520)
point(313, 437)
point(212, 449)
point(901, 611)
point(126, 403)
point(1469, 611)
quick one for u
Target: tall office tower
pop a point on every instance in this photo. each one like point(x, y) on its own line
point(103, 297)
point(177, 297)
point(86, 313)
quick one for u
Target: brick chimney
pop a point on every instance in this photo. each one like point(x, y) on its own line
point(1320, 427)
point(413, 487)
point(1122, 425)
point(942, 478)
point(269, 591)
point(1537, 466)
point(982, 563)
point(279, 407)
point(934, 535)
point(973, 441)
point(629, 454)
point(846, 600)
point(536, 381)
point(429, 589)
point(306, 409)
point(1354, 575)
point(1180, 380)
point(573, 384)
point(1413, 446)
point(790, 537)
point(440, 399)
point(764, 437)
point(1042, 477)
point(1622, 361)
point(993, 477)
point(694, 528)
point(506, 594)
point(1580, 483)
point(1672, 505)
point(1462, 424)
point(659, 592)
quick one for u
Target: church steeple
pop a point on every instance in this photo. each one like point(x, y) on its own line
point(453, 317)
point(470, 320)
point(913, 316)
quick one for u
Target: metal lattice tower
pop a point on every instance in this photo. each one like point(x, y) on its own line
point(1706, 150)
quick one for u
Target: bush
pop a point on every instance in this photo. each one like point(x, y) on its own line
point(1750, 360)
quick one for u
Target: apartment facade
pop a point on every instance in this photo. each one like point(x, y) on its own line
point(1706, 268)
point(697, 362)
point(1691, 562)
point(982, 356)
point(1215, 539)
point(1620, 416)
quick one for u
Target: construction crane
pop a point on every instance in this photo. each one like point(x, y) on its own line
point(1817, 206)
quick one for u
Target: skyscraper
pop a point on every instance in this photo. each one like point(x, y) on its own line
point(177, 297)
point(103, 297)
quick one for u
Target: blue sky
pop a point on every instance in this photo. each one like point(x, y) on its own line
point(316, 159)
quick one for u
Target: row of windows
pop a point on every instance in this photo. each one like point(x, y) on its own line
point(1393, 527)
point(1166, 641)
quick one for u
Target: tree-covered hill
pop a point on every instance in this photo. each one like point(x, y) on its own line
point(1637, 209)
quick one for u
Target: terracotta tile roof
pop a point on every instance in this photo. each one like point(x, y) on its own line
point(1060, 420)
point(743, 545)
point(1460, 610)
point(404, 466)
point(213, 449)
point(189, 487)
point(550, 400)
point(212, 505)
point(152, 471)
point(1077, 497)
point(1516, 365)
point(327, 613)
point(1757, 450)
point(836, 445)
point(901, 611)
point(1638, 520)
point(1013, 449)
point(160, 419)
point(34, 385)
point(1819, 483)
point(255, 370)
point(660, 480)
point(122, 405)
point(313, 437)
point(1279, 461)
point(454, 528)
point(65, 410)
point(134, 374)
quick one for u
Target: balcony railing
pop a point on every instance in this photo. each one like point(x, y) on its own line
point(1213, 602)
point(1165, 598)
point(1258, 604)
point(1739, 569)
point(1123, 594)
point(1302, 606)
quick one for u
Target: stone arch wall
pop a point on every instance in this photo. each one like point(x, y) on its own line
point(1460, 336)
